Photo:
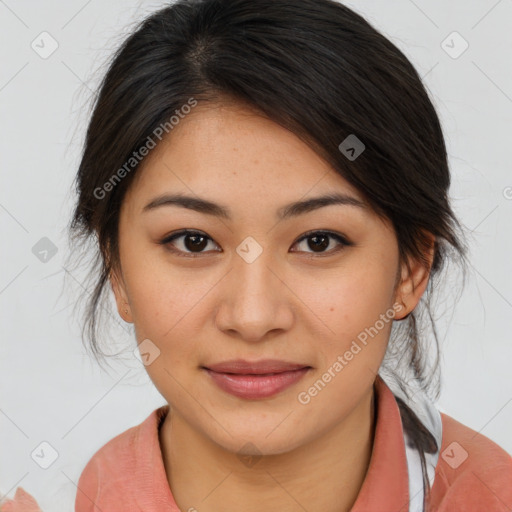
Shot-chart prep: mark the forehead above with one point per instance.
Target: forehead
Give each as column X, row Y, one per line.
column 233, row 151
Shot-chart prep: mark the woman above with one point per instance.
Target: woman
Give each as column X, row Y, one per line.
column 268, row 184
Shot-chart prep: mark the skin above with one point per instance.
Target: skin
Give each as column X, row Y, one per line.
column 291, row 303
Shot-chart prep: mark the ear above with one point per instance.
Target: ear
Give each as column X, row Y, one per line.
column 119, row 288
column 414, row 280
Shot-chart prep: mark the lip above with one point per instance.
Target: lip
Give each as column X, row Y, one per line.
column 243, row 367
column 256, row 380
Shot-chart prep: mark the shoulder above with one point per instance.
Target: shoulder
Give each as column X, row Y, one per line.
column 113, row 468
column 22, row 502
column 472, row 471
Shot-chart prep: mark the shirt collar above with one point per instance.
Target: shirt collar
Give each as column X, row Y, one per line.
column 385, row 486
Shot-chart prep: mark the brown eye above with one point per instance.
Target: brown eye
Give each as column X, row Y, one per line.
column 319, row 241
column 192, row 244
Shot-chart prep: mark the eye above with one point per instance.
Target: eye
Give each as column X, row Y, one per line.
column 320, row 240
column 193, row 243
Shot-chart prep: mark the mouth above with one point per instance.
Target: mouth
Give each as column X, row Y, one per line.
column 261, row 367
column 256, row 380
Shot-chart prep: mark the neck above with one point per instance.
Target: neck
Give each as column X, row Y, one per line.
column 325, row 474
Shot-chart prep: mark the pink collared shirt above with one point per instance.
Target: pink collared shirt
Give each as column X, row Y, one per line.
column 472, row 473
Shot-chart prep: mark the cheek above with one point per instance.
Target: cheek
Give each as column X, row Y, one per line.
column 357, row 316
column 165, row 306
column 353, row 299
column 165, row 309
column 354, row 312
column 169, row 307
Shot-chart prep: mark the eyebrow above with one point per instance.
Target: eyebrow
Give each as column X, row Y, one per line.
column 291, row 210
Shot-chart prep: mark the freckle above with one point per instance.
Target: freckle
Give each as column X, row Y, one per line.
column 332, row 309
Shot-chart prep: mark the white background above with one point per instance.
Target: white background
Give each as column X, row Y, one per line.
column 51, row 391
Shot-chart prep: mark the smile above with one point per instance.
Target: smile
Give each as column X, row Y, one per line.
column 256, row 386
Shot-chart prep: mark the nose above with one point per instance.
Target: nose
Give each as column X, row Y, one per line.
column 255, row 300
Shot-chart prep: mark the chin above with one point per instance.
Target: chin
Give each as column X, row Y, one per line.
column 258, row 444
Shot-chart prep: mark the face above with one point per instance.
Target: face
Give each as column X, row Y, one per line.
column 315, row 286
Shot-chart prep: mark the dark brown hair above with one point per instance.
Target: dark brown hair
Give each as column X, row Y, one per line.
column 318, row 69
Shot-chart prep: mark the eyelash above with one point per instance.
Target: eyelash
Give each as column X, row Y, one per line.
column 167, row 242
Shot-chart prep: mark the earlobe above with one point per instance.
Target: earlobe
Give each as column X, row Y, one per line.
column 413, row 283
column 120, row 295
